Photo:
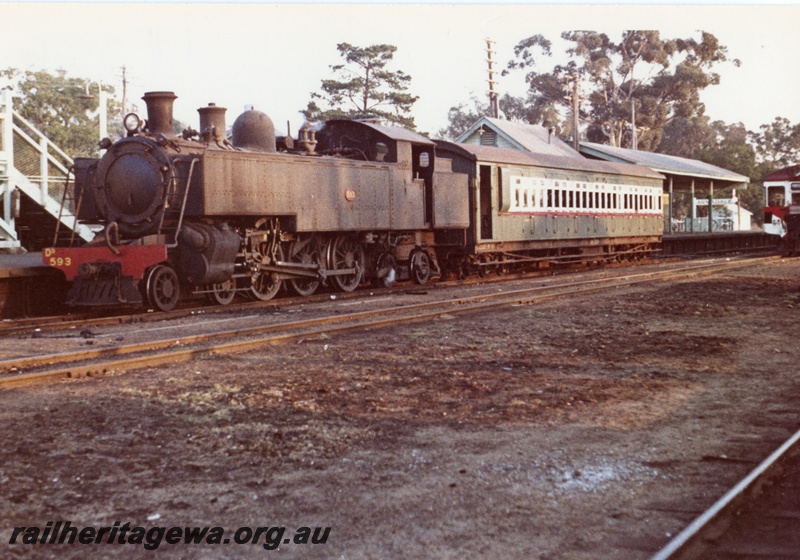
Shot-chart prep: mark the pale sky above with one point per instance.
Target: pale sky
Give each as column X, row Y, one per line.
column 272, row 56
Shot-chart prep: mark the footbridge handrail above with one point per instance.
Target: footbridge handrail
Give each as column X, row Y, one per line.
column 28, row 177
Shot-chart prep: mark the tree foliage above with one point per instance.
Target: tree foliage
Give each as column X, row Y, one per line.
column 363, row 87
column 658, row 79
column 726, row 146
column 462, row 116
column 777, row 144
column 717, row 143
column 59, row 107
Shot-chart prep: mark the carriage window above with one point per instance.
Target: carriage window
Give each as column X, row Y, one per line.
column 776, row 196
column 424, row 159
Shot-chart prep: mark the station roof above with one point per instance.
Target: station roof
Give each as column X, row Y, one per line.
column 490, row 154
column 670, row 165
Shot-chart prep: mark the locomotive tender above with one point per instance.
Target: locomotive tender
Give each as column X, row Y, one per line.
column 353, row 201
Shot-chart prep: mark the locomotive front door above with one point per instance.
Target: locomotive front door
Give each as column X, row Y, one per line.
column 485, row 201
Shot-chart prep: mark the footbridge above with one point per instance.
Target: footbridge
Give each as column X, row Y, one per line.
column 33, row 174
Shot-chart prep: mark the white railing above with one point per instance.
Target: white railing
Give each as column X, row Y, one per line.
column 36, row 181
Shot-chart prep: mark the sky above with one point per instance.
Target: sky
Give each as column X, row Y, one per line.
column 272, row 56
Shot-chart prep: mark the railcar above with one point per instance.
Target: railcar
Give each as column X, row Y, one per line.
column 199, row 214
column 532, row 208
column 782, row 209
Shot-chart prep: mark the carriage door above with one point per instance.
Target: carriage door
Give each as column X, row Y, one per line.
column 422, row 168
column 485, row 201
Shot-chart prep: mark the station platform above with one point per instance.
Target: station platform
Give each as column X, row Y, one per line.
column 28, row 287
column 22, row 264
column 718, row 242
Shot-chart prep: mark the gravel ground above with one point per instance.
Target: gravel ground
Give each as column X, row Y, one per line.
column 580, row 428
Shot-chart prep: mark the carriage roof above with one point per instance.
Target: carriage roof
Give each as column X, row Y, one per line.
column 490, row 154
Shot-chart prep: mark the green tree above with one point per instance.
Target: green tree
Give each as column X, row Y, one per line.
column 59, row 107
column 462, row 116
column 777, row 144
column 684, row 137
column 363, row 87
column 655, row 79
column 719, row 144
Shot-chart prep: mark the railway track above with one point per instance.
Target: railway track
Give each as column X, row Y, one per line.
column 757, row 518
column 121, row 316
column 154, row 352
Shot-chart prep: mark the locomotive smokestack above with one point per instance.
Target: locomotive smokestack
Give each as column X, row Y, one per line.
column 212, row 121
column 159, row 112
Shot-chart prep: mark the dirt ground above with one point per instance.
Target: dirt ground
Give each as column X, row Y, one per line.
column 582, row 428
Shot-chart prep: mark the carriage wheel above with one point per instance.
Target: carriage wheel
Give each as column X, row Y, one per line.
column 502, row 266
column 306, row 252
column 347, row 253
column 482, row 268
column 223, row 293
column 420, row 267
column 265, row 285
column 163, row 290
column 463, row 269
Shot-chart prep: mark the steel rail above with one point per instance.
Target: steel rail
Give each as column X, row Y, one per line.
column 688, row 544
column 175, row 349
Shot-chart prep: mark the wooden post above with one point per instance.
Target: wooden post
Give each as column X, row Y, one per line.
column 43, row 174
column 671, row 215
column 710, row 206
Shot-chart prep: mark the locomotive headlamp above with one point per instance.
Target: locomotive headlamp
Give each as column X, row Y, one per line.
column 132, row 122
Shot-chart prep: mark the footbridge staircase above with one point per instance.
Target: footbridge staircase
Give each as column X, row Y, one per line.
column 33, row 173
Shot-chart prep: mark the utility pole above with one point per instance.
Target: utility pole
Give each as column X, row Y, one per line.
column 576, row 131
column 124, row 92
column 494, row 103
column 634, row 142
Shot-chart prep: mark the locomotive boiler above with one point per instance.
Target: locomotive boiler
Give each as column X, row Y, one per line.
column 201, row 214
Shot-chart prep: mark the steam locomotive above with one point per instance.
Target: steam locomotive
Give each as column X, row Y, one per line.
column 349, row 202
